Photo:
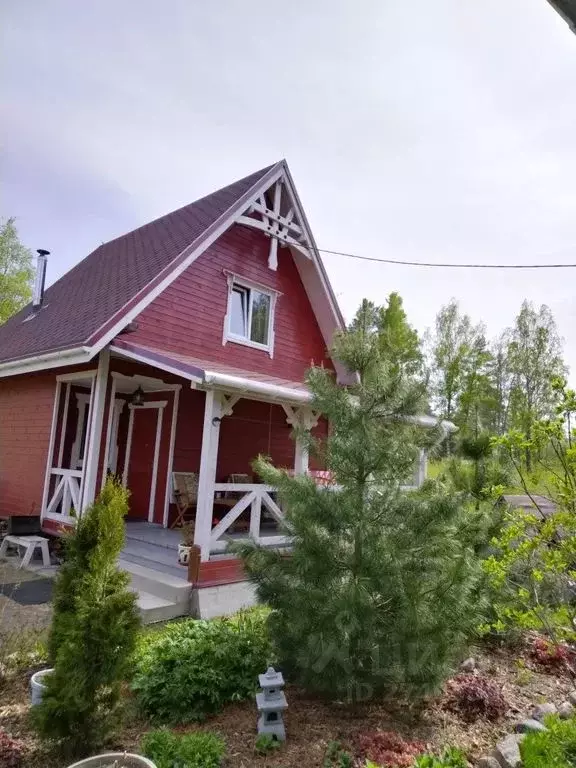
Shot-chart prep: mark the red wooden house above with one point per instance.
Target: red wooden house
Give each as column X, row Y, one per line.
column 179, row 347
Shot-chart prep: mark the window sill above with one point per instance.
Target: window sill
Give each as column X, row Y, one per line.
column 248, row 343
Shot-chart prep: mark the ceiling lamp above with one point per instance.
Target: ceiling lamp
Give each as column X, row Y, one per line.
column 137, row 399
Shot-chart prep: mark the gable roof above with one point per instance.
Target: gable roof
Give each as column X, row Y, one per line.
column 91, row 303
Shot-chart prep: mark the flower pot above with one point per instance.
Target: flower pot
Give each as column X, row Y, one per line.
column 184, row 553
column 114, row 760
column 37, row 686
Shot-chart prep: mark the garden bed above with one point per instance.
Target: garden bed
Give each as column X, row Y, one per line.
column 313, row 724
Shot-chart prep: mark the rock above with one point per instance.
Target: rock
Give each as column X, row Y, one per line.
column 507, row 751
column 529, row 725
column 566, row 710
column 469, row 665
column 572, row 697
column 541, row 710
column 488, row 762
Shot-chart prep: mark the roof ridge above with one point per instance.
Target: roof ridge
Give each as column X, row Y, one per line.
column 155, row 221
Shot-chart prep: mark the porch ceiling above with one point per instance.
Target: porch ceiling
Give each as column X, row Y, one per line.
column 215, row 375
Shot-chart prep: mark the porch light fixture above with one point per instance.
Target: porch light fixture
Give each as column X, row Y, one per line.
column 137, row 399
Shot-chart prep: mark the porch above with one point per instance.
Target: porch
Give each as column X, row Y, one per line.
column 144, row 423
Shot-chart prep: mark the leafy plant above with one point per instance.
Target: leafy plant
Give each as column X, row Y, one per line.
column 191, row 669
column 190, row 750
column 383, row 589
column 450, row 758
column 553, row 748
column 93, row 635
column 336, row 756
column 11, row 751
column 389, row 749
column 474, row 696
column 552, row 655
column 265, row 743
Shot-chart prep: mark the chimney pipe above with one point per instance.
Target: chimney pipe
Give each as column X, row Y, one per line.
column 38, row 291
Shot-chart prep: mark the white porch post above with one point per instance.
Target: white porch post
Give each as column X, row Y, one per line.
column 422, row 467
column 92, row 452
column 301, row 458
column 51, row 448
column 213, row 412
column 306, row 418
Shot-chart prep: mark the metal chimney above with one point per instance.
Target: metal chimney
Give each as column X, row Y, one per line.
column 38, row 292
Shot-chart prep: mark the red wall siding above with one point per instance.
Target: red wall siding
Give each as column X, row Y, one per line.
column 26, row 404
column 188, row 316
column 254, row 428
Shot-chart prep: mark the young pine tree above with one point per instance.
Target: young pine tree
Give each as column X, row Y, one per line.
column 382, row 589
column 93, row 634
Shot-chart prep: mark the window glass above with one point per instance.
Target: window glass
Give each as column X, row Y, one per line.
column 260, row 317
column 239, row 311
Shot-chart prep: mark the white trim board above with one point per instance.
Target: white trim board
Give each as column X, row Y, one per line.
column 160, row 405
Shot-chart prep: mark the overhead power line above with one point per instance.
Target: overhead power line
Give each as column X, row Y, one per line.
column 446, row 265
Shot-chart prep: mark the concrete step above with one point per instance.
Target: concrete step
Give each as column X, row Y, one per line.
column 162, row 585
column 154, row 609
column 170, row 566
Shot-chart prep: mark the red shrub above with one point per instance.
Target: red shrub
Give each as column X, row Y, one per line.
column 551, row 655
column 389, row 749
column 474, row 696
column 11, row 751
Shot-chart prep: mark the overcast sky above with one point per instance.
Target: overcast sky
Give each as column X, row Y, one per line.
column 437, row 131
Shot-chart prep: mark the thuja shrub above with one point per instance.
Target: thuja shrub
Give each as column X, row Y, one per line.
column 473, row 696
column 389, row 748
column 94, row 633
column 193, row 668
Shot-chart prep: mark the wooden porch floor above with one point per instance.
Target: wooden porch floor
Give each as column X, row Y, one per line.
column 156, row 547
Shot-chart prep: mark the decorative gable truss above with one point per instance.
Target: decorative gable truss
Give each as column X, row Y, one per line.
column 274, row 213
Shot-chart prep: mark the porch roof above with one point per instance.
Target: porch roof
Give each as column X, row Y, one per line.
column 219, row 375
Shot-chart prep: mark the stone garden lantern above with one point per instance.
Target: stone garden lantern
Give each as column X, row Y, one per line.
column 271, row 702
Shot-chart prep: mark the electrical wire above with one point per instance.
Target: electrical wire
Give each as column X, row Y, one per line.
column 445, row 265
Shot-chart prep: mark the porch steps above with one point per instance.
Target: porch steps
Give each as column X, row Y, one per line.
column 161, row 596
column 155, row 557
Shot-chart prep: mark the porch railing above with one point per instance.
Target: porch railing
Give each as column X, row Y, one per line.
column 67, row 490
column 252, row 495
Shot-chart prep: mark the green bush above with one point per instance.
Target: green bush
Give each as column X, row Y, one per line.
column 191, row 750
column 450, row 758
column 554, row 748
column 193, row 668
column 93, row 635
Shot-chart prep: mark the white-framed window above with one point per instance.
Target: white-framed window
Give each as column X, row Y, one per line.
column 250, row 316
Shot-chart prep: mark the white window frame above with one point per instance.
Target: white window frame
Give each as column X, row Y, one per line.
column 240, row 282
